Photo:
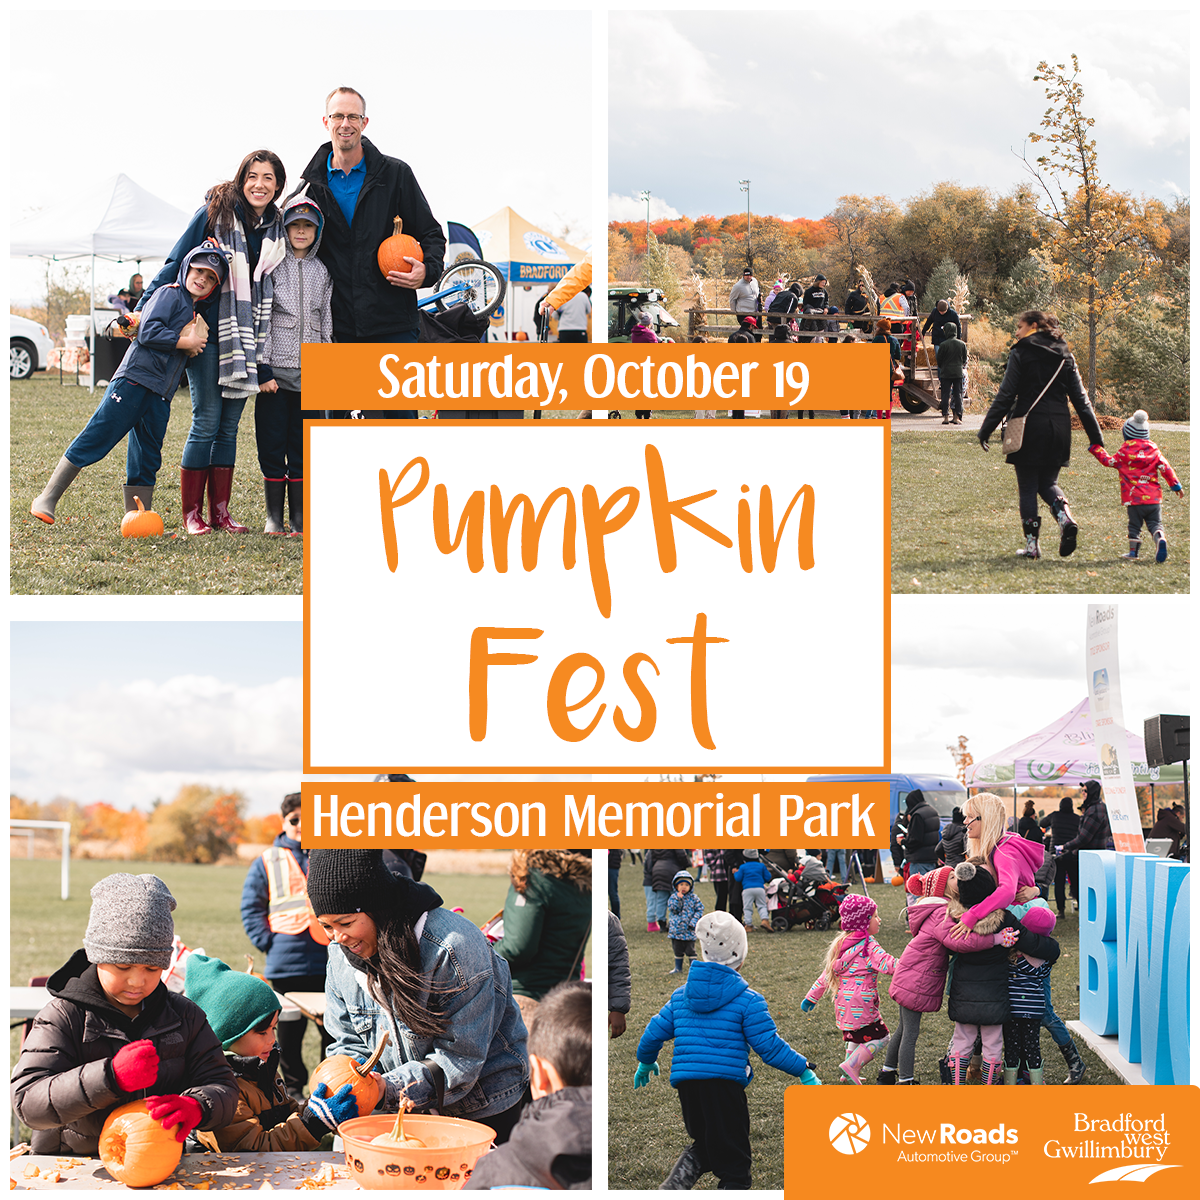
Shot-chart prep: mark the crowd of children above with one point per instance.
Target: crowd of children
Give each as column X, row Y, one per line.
column 985, row 915
column 207, row 1065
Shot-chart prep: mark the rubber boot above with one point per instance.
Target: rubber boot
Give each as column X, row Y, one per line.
column 858, row 1058
column 1031, row 527
column 1160, row 555
column 1066, row 523
column 1010, row 1076
column 685, row 1174
column 220, row 487
column 678, row 967
column 959, row 1068
column 993, row 1072
column 651, row 926
column 1135, row 544
column 1075, row 1064
column 136, row 489
column 43, row 506
column 1035, row 1075
column 295, row 492
column 191, row 492
column 273, row 492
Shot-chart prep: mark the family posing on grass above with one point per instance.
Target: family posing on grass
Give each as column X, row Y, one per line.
column 986, row 913
column 248, row 282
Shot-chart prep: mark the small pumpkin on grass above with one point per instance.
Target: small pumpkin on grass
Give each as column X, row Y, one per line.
column 340, row 1069
column 144, row 522
column 393, row 250
column 136, row 1149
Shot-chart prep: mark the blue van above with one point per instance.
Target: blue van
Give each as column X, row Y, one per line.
column 944, row 794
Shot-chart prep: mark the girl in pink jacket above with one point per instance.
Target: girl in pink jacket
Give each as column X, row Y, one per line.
column 919, row 980
column 853, row 964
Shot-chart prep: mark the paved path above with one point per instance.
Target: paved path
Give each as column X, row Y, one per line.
column 906, row 422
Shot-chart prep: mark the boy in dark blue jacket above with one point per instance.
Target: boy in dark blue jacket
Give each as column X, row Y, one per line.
column 716, row 1018
column 754, row 875
column 138, row 400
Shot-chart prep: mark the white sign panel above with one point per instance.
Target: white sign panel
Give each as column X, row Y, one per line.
column 585, row 597
column 1112, row 744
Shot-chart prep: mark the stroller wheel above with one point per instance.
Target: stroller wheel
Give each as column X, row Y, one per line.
column 780, row 923
column 824, row 922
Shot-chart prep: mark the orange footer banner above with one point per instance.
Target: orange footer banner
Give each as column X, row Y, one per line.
column 1032, row 1142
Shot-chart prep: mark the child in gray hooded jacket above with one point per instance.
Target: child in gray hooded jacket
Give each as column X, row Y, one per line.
column 300, row 313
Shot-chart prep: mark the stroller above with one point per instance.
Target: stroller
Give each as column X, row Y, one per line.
column 804, row 897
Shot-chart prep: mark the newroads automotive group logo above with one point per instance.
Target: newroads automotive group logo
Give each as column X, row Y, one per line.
column 976, row 1143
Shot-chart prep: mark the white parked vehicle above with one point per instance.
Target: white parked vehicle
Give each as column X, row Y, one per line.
column 29, row 346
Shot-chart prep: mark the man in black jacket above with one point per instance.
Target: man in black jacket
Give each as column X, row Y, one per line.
column 361, row 191
column 923, row 834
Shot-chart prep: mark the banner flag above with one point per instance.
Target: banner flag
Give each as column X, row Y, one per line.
column 1112, row 744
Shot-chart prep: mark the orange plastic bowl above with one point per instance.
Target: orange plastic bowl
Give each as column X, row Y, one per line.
column 452, row 1147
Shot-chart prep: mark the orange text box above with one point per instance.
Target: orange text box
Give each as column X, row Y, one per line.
column 500, row 375
column 1049, row 1141
column 547, row 815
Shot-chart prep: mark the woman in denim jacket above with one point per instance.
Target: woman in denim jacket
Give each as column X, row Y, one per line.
column 405, row 965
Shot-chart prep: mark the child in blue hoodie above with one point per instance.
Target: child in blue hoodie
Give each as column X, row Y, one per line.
column 138, row 400
column 684, row 909
column 300, row 312
column 754, row 875
column 716, row 1018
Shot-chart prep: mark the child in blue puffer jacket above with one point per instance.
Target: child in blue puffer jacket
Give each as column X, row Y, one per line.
column 754, row 876
column 684, row 909
column 716, row 1018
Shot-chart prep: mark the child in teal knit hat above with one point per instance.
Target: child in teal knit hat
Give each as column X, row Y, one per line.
column 243, row 1011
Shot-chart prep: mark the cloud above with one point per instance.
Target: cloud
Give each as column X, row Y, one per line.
column 133, row 742
column 630, row 208
column 657, row 69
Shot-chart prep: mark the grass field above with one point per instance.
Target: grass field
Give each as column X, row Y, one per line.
column 955, row 526
column 646, row 1132
column 44, row 931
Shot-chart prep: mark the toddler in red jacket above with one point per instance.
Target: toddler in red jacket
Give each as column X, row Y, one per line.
column 1139, row 462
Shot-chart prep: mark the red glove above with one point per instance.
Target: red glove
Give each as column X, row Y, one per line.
column 136, row 1066
column 183, row 1111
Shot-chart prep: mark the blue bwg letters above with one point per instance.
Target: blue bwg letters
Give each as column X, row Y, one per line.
column 1134, row 933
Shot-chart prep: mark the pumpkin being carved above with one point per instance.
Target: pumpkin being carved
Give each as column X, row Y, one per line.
column 340, row 1069
column 392, row 252
column 135, row 1148
column 144, row 522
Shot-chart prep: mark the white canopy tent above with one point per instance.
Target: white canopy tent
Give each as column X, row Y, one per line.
column 118, row 221
column 1062, row 752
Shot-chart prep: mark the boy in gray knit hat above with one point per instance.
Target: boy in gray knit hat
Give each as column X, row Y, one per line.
column 142, row 1041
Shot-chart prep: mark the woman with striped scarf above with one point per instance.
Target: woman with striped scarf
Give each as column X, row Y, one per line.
column 240, row 214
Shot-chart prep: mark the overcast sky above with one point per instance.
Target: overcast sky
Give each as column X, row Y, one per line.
column 887, row 103
column 130, row 712
column 999, row 667
column 450, row 97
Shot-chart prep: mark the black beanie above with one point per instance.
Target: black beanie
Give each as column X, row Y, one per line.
column 346, row 881
column 975, row 884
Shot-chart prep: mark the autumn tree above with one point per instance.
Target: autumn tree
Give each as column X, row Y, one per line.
column 1103, row 238
column 200, row 825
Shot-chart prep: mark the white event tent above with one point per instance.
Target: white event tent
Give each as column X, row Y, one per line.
column 118, row 220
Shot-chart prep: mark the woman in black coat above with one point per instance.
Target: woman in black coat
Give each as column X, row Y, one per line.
column 1040, row 382
column 1064, row 826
